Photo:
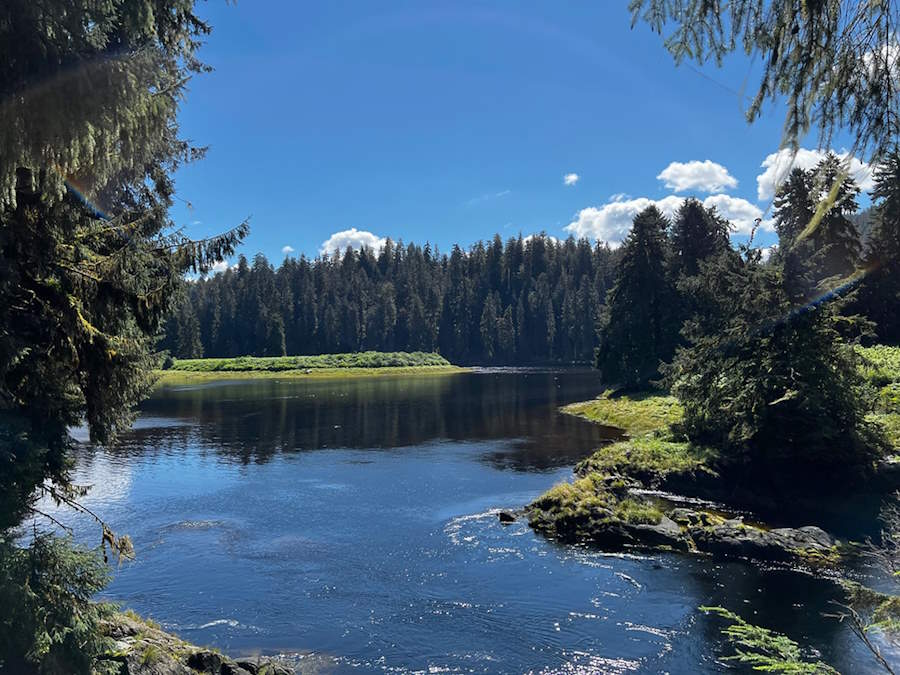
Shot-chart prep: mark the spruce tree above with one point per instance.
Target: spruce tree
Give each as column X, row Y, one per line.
column 836, row 246
column 879, row 296
column 638, row 333
column 90, row 265
column 696, row 234
column 766, row 380
column 819, row 246
column 794, row 206
column 90, row 262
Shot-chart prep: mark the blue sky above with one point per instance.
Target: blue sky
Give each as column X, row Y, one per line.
column 450, row 121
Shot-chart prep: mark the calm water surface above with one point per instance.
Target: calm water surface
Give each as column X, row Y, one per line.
column 352, row 524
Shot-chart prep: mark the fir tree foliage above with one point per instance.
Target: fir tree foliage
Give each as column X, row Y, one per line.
column 89, row 265
column 768, row 380
column 90, row 258
column 834, row 63
column 879, row 295
column 50, row 624
column 523, row 300
column 638, row 330
column 818, row 243
column 696, row 234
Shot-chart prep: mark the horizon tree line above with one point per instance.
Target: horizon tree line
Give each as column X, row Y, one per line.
column 536, row 299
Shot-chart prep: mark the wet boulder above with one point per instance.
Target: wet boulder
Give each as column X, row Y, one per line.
column 734, row 537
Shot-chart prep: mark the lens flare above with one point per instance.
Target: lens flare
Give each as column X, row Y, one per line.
column 80, row 193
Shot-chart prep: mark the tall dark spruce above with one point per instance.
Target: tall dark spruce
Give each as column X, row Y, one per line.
column 89, row 264
column 525, row 300
column 638, row 331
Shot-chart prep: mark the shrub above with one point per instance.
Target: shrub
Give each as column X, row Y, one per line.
column 765, row 379
column 49, row 625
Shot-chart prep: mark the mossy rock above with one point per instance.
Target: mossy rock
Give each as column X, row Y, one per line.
column 142, row 648
column 651, row 460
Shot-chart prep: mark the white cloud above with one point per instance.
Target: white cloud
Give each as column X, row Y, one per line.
column 765, row 252
column 571, row 178
column 612, row 221
column 287, row 249
column 220, row 266
column 541, row 235
column 740, row 212
column 779, row 164
column 353, row 238
column 705, row 176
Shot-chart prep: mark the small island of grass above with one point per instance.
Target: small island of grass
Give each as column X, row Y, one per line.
column 357, row 364
column 614, row 501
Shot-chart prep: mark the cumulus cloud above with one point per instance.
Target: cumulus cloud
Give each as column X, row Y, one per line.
column 287, row 249
column 705, row 176
column 541, row 235
column 353, row 238
column 740, row 212
column 779, row 164
column 766, row 252
column 571, row 178
column 612, row 221
column 220, row 266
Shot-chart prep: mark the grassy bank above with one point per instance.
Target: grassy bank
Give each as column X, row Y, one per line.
column 881, row 368
column 324, row 366
column 360, row 360
column 606, row 503
column 651, row 451
column 180, row 377
column 636, row 414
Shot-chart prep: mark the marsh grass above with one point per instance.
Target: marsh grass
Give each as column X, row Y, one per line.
column 881, row 369
column 635, row 414
column 638, row 512
column 356, row 360
column 649, row 457
column 881, row 364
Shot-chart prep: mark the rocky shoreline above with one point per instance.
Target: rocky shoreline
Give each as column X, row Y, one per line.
column 142, row 648
column 648, row 525
column 627, row 495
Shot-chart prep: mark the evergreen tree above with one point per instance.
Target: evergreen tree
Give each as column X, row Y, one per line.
column 187, row 331
column 87, row 276
column 90, row 266
column 879, row 297
column 638, row 333
column 831, row 60
column 767, row 380
column 835, row 240
column 794, row 206
column 819, row 246
column 696, row 234
column 416, row 299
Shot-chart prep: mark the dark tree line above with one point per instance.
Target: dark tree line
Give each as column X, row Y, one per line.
column 760, row 352
column 538, row 299
column 526, row 300
column 662, row 284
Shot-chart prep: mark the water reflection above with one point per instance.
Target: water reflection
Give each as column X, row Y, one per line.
column 353, row 524
column 251, row 421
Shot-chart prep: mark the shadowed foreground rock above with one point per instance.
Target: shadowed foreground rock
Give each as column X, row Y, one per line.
column 142, row 648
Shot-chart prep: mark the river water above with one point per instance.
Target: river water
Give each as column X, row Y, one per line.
column 351, row 525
